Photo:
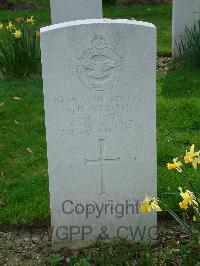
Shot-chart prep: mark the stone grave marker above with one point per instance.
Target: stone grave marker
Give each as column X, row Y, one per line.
column 185, row 14
column 100, row 113
column 69, row 10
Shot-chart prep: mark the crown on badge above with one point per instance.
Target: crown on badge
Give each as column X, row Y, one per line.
column 99, row 42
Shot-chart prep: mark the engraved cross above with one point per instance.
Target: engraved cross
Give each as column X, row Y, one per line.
column 102, row 161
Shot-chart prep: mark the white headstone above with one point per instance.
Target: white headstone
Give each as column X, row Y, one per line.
column 69, row 10
column 185, row 14
column 100, row 103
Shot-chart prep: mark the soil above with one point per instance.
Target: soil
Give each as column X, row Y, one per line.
column 24, row 246
column 27, row 246
column 31, row 244
column 163, row 64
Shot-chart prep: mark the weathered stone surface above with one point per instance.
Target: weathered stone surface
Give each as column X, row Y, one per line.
column 185, row 14
column 100, row 103
column 69, row 10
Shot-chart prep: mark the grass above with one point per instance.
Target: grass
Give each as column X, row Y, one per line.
column 23, row 159
column 160, row 15
column 118, row 253
column 24, row 179
column 178, row 124
column 42, row 16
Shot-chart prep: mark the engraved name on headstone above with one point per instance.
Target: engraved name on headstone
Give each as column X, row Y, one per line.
column 100, row 115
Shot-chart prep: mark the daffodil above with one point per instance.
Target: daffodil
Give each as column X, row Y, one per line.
column 18, row 20
column 17, row 34
column 37, row 34
column 194, row 218
column 175, row 165
column 1, row 26
column 192, row 157
column 30, row 20
column 149, row 204
column 10, row 26
column 188, row 199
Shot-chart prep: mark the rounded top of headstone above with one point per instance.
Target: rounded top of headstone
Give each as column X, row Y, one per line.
column 96, row 21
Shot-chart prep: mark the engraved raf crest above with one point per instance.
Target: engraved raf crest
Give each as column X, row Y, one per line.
column 99, row 67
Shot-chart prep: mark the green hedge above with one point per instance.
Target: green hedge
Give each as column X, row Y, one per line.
column 109, row 2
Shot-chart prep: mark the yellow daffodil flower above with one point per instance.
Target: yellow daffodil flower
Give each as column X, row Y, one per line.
column 18, row 20
column 1, row 26
column 17, row 34
column 192, row 157
column 149, row 204
column 194, row 218
column 30, row 20
column 175, row 165
column 188, row 199
column 37, row 34
column 10, row 26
